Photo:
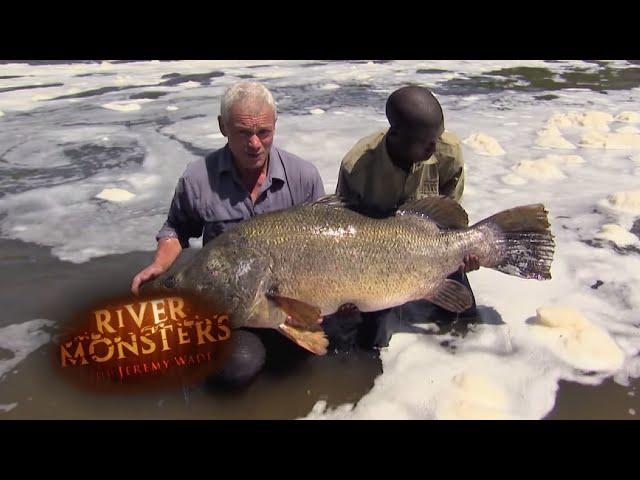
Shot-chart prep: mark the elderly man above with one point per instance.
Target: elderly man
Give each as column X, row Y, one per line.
column 247, row 177
column 414, row 158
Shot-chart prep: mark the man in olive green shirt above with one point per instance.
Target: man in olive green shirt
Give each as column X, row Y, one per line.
column 414, row 158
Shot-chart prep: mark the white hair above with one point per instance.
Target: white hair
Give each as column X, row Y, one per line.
column 245, row 91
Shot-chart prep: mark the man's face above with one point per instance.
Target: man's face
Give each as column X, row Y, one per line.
column 249, row 131
column 412, row 144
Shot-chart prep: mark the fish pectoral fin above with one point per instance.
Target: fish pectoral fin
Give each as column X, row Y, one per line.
column 314, row 341
column 301, row 314
column 452, row 296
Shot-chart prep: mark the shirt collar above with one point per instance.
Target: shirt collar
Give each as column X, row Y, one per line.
column 275, row 170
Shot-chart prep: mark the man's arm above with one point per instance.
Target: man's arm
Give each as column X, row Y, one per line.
column 183, row 222
column 168, row 250
column 343, row 188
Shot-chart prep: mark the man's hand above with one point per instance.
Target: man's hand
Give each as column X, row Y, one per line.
column 471, row 263
column 149, row 273
column 166, row 253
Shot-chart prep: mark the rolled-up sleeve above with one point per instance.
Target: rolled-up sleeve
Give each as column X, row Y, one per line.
column 183, row 221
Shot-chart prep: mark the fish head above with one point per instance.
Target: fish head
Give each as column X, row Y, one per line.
column 230, row 277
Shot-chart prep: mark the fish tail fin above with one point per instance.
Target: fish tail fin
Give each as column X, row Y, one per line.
column 521, row 242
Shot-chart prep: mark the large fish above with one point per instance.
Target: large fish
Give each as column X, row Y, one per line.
column 287, row 269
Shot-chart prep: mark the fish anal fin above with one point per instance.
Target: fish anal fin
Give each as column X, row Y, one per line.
column 452, row 296
column 314, row 341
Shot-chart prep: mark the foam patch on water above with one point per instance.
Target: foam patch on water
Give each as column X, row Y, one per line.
column 21, row 339
column 123, row 106
column 576, row 340
column 483, row 144
column 632, row 117
column 627, row 129
column 330, row 86
column 541, row 170
column 316, row 111
column 172, row 108
column 618, row 235
column 473, row 397
column 590, row 119
column 552, row 138
column 115, row 195
column 614, row 141
column 512, row 179
column 51, row 215
column 4, row 408
column 625, row 202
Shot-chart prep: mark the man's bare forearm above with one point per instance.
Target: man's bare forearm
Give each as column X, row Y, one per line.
column 167, row 251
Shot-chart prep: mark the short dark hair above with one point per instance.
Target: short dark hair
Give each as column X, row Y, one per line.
column 414, row 106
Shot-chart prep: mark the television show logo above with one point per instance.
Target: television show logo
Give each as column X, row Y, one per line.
column 146, row 340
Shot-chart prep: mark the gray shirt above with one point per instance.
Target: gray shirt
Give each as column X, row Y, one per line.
column 210, row 196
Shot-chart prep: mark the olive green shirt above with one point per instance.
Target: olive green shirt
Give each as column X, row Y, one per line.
column 369, row 177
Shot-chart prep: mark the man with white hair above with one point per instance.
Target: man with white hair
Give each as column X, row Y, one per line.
column 247, row 177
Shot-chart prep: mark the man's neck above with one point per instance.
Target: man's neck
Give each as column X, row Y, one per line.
column 254, row 179
column 403, row 166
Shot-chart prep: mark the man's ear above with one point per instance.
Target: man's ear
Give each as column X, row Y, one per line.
column 221, row 125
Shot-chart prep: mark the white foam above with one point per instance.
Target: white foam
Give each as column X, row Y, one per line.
column 22, row 339
column 191, row 84
column 115, row 195
column 541, row 170
column 330, row 86
column 474, row 397
column 513, row 179
column 592, row 119
column 632, row 117
column 172, row 108
column 552, row 138
column 122, row 106
column 610, row 140
column 1, row 114
column 576, row 340
column 626, row 202
column 316, row 111
column 41, row 97
column 627, row 129
column 4, row 408
column 216, row 135
column 618, row 235
column 483, row 144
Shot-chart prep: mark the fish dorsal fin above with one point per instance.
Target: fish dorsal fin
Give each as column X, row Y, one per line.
column 452, row 296
column 332, row 201
column 442, row 210
column 352, row 204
